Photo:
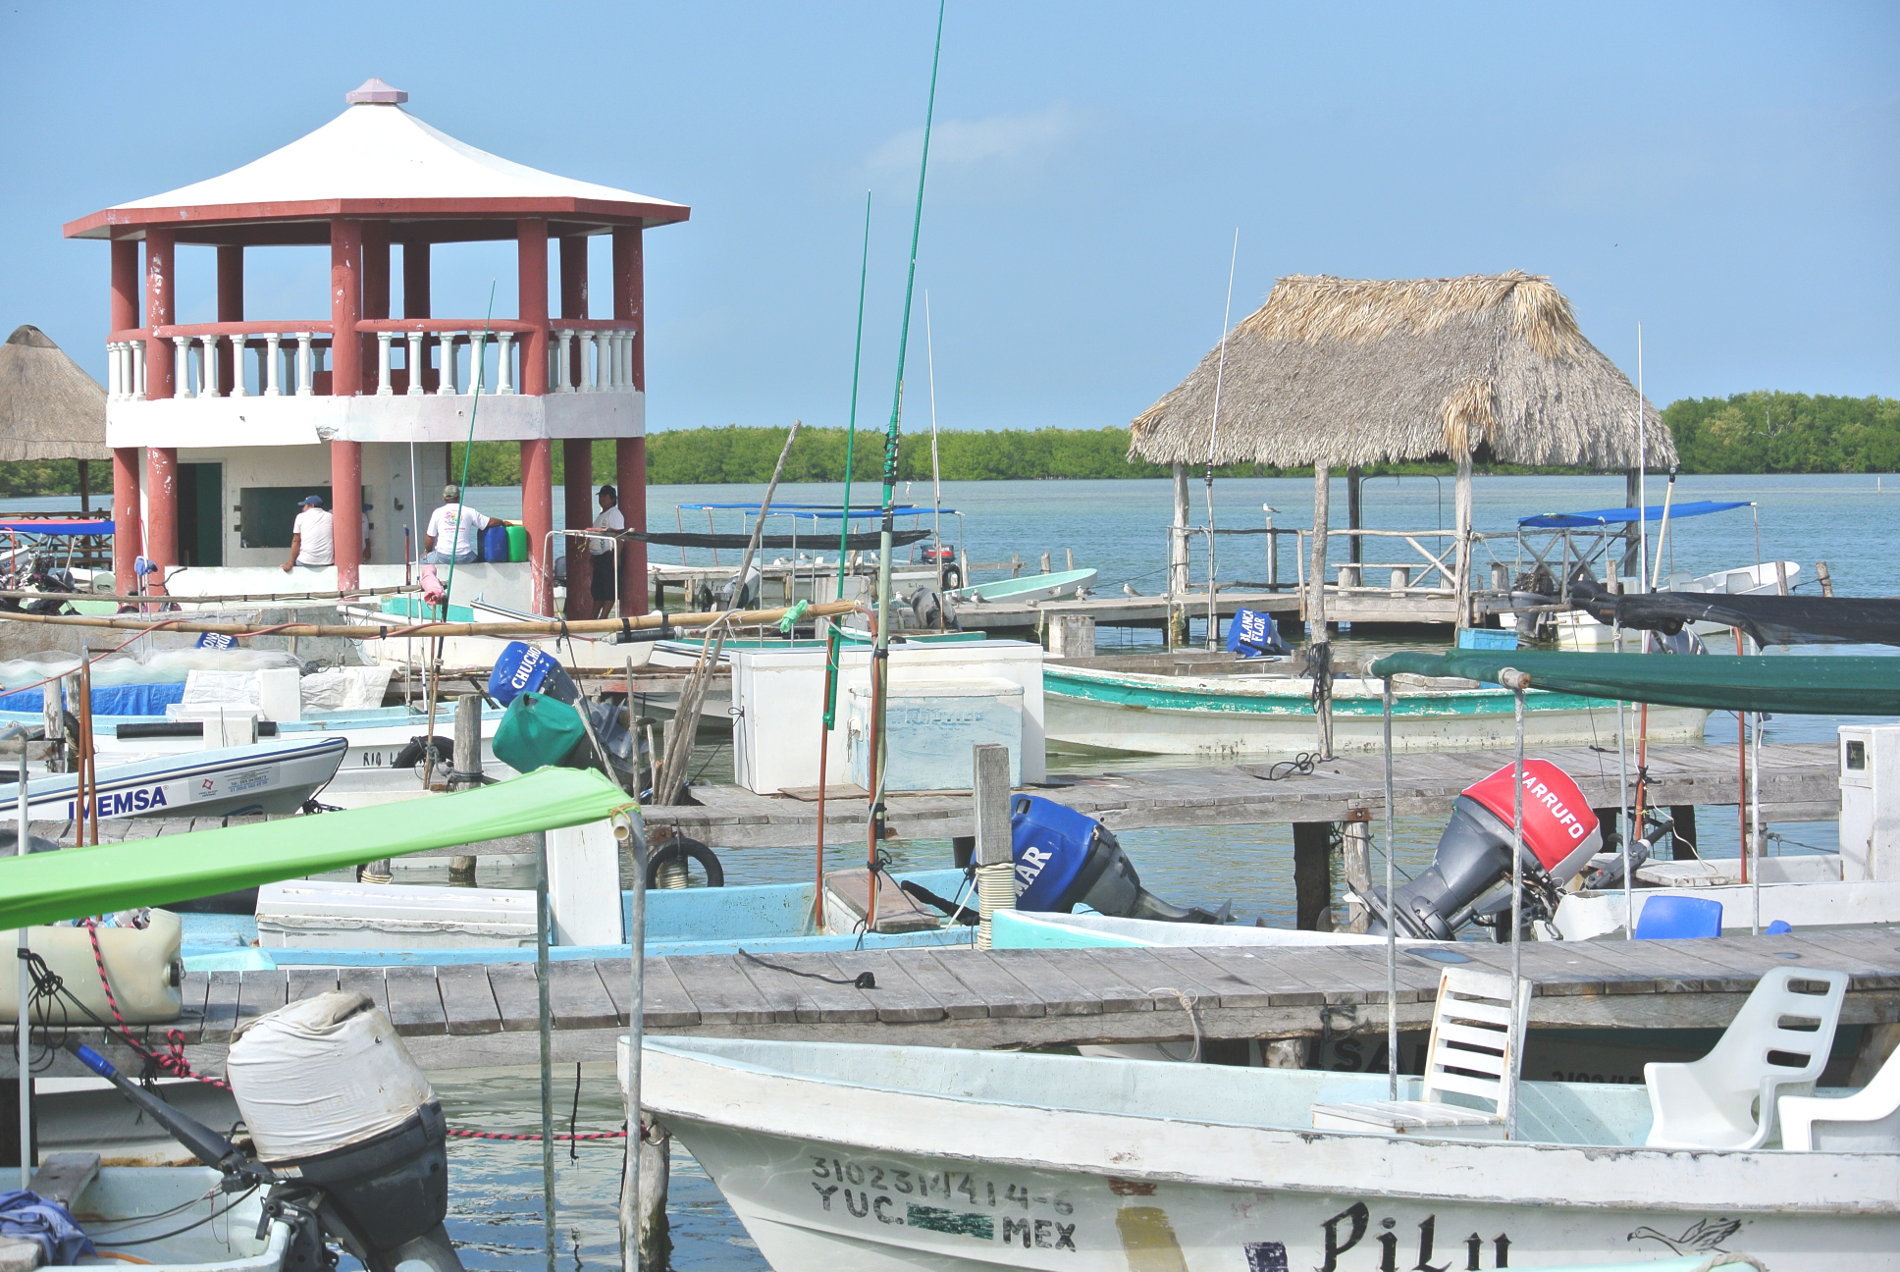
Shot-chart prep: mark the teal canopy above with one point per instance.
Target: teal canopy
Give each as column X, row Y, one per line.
column 1797, row 684
column 50, row 886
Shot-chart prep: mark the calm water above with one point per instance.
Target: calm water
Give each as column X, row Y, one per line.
column 1118, row 527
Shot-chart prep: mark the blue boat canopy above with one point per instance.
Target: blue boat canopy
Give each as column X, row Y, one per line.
column 49, row 526
column 1624, row 516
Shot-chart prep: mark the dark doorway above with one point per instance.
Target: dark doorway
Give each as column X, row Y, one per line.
column 201, row 514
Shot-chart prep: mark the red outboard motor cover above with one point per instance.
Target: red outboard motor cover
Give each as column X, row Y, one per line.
column 1559, row 828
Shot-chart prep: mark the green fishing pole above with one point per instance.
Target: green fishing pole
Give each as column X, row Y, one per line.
column 880, row 657
column 833, row 638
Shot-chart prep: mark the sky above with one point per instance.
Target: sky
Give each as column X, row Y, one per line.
column 1726, row 176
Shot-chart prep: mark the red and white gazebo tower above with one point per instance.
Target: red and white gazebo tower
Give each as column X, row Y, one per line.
column 246, row 415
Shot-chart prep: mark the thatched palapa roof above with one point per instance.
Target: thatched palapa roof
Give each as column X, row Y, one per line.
column 49, row 407
column 1351, row 372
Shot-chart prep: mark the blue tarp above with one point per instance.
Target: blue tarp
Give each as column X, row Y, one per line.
column 30, row 526
column 29, row 1215
column 1623, row 516
column 109, row 700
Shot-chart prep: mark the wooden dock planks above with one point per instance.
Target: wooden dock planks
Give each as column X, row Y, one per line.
column 965, row 997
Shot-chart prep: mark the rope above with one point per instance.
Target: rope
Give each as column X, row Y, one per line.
column 863, row 980
column 1194, row 1022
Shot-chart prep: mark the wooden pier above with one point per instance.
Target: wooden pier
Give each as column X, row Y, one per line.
column 473, row 1016
column 1799, row 782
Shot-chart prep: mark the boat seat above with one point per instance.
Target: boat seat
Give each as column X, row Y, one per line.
column 1868, row 1121
column 1666, row 917
column 1476, row 1052
column 1778, row 1041
column 62, row 1177
column 849, row 891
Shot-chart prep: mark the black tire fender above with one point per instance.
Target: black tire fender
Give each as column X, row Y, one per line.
column 680, row 849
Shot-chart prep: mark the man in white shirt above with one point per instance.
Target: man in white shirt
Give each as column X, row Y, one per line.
column 311, row 540
column 602, row 550
column 454, row 529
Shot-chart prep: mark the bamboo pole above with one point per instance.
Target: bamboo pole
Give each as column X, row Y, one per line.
column 552, row 627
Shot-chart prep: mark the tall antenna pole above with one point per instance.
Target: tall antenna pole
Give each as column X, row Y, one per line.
column 1213, row 426
column 1642, row 467
column 881, row 652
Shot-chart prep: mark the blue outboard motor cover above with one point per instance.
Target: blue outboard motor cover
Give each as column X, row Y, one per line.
column 524, row 669
column 1051, row 845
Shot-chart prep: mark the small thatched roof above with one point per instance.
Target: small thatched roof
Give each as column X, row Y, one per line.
column 49, row 407
column 1352, row 372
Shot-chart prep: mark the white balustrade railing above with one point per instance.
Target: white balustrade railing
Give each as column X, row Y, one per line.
column 590, row 361
column 443, row 362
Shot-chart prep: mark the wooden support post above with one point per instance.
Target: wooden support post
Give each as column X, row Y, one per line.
column 55, row 726
column 465, row 770
column 1683, row 843
column 656, row 1240
column 1356, row 849
column 995, row 867
column 1313, row 876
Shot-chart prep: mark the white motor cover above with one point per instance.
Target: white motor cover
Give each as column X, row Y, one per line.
column 321, row 1074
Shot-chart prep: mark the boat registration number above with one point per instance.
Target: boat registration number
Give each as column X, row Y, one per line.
column 984, row 1207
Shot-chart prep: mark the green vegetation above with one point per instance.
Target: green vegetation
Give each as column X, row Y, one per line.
column 52, row 477
column 1760, row 432
column 1768, row 432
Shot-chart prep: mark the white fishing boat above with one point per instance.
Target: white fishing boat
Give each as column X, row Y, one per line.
column 1217, row 717
column 1025, row 590
column 267, row 777
column 872, row 1157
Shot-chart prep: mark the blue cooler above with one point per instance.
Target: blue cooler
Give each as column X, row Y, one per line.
column 494, row 543
column 524, row 669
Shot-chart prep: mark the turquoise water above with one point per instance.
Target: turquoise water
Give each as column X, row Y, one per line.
column 1119, row 527
column 1851, row 522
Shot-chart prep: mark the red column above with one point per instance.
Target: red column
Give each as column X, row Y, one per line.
column 537, row 455
column 346, row 380
column 537, row 515
column 159, row 360
column 231, row 309
column 577, row 453
column 122, row 315
column 128, row 538
column 630, row 453
column 415, row 303
column 415, row 279
column 161, row 526
column 161, row 463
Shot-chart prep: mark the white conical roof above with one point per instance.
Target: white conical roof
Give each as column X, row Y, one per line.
column 377, row 151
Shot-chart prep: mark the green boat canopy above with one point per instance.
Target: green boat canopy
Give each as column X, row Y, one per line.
column 47, row 887
column 1796, row 684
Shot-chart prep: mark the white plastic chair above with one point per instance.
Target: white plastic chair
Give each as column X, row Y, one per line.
column 1867, row 1121
column 1778, row 1041
column 1476, row 1050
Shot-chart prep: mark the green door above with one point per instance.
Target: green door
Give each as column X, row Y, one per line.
column 201, row 514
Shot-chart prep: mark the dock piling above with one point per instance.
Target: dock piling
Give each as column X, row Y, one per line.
column 1312, row 876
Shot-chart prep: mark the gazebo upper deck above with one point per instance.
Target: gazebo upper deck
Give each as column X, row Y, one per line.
column 376, row 161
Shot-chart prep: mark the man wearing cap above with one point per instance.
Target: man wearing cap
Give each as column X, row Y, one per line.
column 602, row 550
column 453, row 530
column 311, row 542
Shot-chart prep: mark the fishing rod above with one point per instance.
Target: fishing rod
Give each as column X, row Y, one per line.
column 1213, row 427
column 834, row 639
column 881, row 652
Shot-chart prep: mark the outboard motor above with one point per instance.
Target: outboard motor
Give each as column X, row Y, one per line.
column 1470, row 874
column 333, row 1100
column 1065, row 859
column 349, row 1138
